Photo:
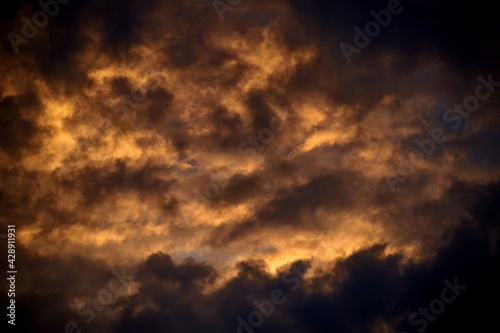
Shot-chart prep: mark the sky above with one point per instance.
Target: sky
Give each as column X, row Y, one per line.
column 250, row 166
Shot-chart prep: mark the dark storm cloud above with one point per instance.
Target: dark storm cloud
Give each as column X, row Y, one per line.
column 374, row 288
column 55, row 52
column 16, row 184
column 147, row 107
column 461, row 32
column 261, row 113
column 120, row 86
column 297, row 207
column 19, row 120
column 364, row 288
column 240, row 189
column 50, row 308
column 336, row 191
column 480, row 201
column 121, row 22
column 98, row 184
column 160, row 101
column 351, row 294
column 227, row 129
column 207, row 105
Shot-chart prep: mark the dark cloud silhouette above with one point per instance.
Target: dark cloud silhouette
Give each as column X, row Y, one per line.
column 118, row 117
column 354, row 293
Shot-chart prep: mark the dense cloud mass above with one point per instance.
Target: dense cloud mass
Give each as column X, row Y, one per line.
column 251, row 166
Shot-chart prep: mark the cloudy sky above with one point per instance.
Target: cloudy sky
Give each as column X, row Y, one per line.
column 251, row 166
